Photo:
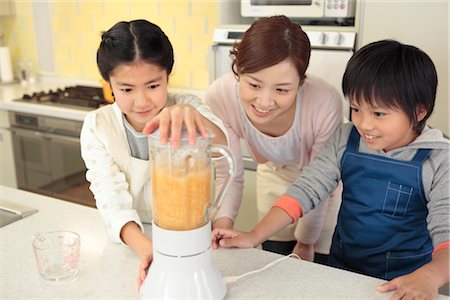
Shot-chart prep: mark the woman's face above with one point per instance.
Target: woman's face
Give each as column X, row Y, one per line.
column 269, row 95
column 140, row 90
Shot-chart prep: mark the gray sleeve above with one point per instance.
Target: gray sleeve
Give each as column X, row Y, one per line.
column 321, row 177
column 436, row 179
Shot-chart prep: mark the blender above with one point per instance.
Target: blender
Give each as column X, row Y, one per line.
column 183, row 205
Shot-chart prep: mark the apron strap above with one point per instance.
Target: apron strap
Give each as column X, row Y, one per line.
column 421, row 155
column 353, row 140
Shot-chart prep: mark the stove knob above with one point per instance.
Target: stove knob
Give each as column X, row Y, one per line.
column 338, row 39
column 323, row 38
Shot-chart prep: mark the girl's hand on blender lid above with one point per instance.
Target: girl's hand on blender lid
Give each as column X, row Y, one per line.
column 170, row 121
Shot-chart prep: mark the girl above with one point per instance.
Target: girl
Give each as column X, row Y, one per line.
column 393, row 222
column 284, row 118
column 136, row 58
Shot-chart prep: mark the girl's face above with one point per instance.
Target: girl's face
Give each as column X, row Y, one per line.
column 140, row 90
column 269, row 96
column 383, row 128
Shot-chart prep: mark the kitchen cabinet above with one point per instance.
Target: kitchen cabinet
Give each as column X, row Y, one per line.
column 6, row 8
column 8, row 170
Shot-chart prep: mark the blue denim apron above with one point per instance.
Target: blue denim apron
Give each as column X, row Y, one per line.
column 381, row 229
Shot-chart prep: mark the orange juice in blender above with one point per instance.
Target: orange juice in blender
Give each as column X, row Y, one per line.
column 181, row 199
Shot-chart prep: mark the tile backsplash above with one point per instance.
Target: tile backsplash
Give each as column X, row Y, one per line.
column 76, row 26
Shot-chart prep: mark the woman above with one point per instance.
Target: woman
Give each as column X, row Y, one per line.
column 284, row 117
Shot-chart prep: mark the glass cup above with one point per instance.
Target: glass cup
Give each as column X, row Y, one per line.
column 57, row 254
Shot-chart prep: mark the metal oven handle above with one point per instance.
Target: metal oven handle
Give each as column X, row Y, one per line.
column 45, row 135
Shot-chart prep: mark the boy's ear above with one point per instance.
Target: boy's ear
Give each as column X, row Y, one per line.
column 421, row 113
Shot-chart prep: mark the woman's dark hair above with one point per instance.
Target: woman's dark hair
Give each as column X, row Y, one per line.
column 128, row 42
column 268, row 42
column 390, row 74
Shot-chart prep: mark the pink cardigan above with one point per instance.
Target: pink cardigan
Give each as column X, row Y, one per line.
column 320, row 113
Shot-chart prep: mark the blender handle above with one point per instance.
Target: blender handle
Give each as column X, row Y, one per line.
column 231, row 161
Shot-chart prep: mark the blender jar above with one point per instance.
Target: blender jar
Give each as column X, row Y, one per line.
column 182, row 181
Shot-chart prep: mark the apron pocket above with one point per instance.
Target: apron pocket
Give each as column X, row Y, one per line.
column 396, row 200
column 404, row 262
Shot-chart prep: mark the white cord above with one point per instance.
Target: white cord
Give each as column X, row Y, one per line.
column 230, row 279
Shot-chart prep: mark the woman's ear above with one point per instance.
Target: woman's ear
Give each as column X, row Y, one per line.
column 421, row 112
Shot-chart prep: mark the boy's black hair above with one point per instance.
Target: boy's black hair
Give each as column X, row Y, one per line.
column 390, row 74
column 128, row 42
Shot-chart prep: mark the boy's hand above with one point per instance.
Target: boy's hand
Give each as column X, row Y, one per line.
column 170, row 121
column 417, row 285
column 228, row 238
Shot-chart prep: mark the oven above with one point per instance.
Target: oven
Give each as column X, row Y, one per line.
column 47, row 157
column 47, row 153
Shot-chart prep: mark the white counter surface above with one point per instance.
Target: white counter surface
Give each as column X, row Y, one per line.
column 109, row 271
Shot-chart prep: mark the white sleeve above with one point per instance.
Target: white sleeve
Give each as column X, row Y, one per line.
column 108, row 183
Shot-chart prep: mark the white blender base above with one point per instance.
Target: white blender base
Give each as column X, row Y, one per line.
column 191, row 276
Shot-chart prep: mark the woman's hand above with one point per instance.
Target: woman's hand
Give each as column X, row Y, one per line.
column 170, row 122
column 228, row 238
column 305, row 251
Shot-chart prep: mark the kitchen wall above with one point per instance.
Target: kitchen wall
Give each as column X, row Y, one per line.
column 75, row 29
column 76, row 26
column 424, row 24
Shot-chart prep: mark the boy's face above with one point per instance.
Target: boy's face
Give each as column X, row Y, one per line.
column 140, row 90
column 382, row 128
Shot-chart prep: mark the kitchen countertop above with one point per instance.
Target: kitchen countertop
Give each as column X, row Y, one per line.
column 9, row 92
column 109, row 270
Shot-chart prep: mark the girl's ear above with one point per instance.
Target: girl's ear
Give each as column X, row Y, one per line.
column 421, row 113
